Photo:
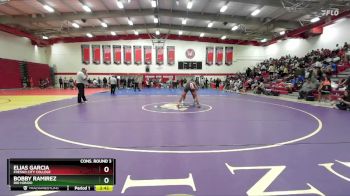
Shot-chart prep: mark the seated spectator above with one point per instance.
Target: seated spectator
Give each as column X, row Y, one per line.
column 44, row 83
column 71, row 83
column 324, row 89
column 341, row 85
column 95, row 83
column 260, row 88
column 344, row 102
column 334, row 85
column 307, row 89
column 347, row 83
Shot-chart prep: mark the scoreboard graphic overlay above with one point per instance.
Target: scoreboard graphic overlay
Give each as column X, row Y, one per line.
column 86, row 174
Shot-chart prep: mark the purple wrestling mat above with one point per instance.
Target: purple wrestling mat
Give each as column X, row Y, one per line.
column 232, row 145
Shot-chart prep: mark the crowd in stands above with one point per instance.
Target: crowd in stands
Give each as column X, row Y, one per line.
column 309, row 75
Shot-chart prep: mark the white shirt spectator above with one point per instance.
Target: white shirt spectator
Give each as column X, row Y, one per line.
column 95, row 82
column 318, row 64
column 113, row 80
column 336, row 59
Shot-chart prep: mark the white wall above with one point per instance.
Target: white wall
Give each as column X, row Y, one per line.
column 337, row 33
column 21, row 48
column 67, row 58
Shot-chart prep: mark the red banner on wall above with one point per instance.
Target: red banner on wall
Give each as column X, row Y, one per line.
column 127, row 55
column 210, row 55
column 137, row 55
column 219, row 53
column 228, row 55
column 147, row 53
column 171, row 55
column 160, row 55
column 106, row 54
column 85, row 54
column 96, row 54
column 117, row 52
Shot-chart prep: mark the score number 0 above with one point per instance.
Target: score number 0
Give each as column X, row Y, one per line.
column 106, row 179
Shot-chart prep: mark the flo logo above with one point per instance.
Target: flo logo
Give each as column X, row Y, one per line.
column 172, row 107
column 330, row 12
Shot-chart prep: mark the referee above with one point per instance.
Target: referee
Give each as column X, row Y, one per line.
column 81, row 79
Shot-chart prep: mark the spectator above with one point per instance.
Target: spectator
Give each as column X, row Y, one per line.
column 71, row 83
column 307, row 89
column 95, row 83
column 60, row 80
column 99, row 82
column 118, row 82
column 44, row 83
column 137, row 81
column 325, row 89
column 260, row 88
column 104, row 82
column 65, row 83
column 113, row 82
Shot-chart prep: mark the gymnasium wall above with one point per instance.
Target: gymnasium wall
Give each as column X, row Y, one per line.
column 337, row 33
column 67, row 58
column 21, row 48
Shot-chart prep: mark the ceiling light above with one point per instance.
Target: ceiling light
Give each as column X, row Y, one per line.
column 201, row 35
column 177, row 2
column 155, row 20
column 113, row 33
column 154, row 3
column 189, row 4
column 89, row 35
column 264, row 40
column 136, row 32
column 210, row 24
column 234, row 28
column 48, row 8
column 184, row 21
column 45, row 37
column 180, row 32
column 120, row 4
column 86, row 8
column 282, row 32
column 256, row 12
column 223, row 9
column 315, row 19
column 103, row 24
column 75, row 25
column 157, row 32
column 223, row 37
column 130, row 22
